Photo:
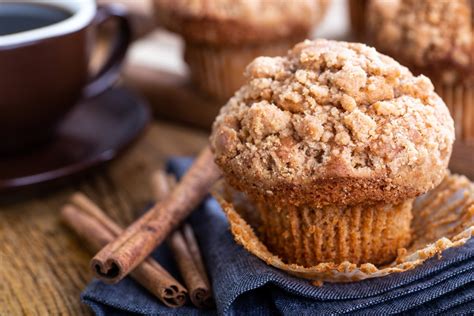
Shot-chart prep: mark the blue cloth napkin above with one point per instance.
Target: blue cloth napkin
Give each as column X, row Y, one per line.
column 243, row 284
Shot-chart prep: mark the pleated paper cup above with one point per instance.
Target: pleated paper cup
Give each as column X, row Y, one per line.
column 442, row 219
column 218, row 71
column 459, row 97
column 308, row 236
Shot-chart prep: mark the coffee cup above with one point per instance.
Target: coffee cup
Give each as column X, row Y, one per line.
column 45, row 54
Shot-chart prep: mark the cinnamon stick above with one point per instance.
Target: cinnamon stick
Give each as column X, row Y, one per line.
column 198, row 289
column 190, row 239
column 161, row 184
column 193, row 273
column 122, row 255
column 89, row 222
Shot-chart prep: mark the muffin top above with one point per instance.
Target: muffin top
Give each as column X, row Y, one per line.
column 425, row 34
column 333, row 123
column 237, row 21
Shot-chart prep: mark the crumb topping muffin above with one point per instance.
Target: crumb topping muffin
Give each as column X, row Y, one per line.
column 425, row 33
column 333, row 123
column 234, row 22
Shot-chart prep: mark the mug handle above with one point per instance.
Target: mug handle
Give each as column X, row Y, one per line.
column 110, row 70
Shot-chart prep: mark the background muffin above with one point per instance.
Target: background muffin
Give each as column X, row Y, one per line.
column 223, row 36
column 333, row 123
column 436, row 38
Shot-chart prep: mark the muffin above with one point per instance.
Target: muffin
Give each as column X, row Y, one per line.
column 223, row 36
column 436, row 38
column 331, row 142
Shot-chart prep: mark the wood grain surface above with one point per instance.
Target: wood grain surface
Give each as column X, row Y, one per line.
column 43, row 266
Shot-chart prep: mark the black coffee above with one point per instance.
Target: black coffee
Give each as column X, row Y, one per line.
column 20, row 17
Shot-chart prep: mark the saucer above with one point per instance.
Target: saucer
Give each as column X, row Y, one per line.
column 95, row 132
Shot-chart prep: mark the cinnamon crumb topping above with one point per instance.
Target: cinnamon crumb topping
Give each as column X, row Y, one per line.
column 333, row 110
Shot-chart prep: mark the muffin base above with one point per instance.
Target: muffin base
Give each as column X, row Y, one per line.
column 442, row 219
column 308, row 236
column 218, row 71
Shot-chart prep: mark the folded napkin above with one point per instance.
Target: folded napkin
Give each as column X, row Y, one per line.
column 243, row 284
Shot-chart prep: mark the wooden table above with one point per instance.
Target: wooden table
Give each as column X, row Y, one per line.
column 43, row 266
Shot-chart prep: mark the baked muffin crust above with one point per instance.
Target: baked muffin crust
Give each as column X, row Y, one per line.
column 333, row 123
column 427, row 34
column 237, row 21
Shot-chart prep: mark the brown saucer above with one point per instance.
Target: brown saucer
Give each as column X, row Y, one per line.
column 95, row 132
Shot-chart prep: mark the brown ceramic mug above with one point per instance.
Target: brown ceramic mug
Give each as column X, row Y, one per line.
column 45, row 70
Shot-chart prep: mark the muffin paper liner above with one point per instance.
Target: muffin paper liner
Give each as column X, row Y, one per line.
column 219, row 70
column 460, row 100
column 442, row 218
column 307, row 236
